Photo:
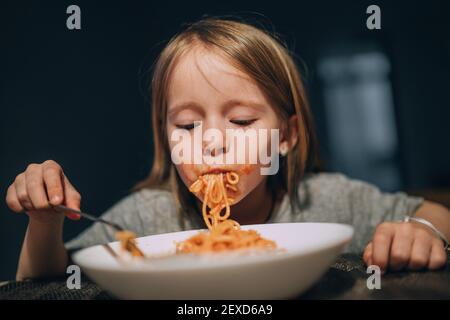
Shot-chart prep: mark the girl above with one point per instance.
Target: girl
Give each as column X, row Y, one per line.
column 231, row 75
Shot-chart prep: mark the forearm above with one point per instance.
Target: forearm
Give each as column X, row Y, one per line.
column 43, row 252
column 437, row 214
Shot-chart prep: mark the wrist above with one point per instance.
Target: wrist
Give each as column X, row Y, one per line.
column 45, row 220
column 436, row 214
column 427, row 225
column 46, row 227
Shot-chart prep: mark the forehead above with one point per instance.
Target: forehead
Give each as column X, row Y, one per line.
column 206, row 77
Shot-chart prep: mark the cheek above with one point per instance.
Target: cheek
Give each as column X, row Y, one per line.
column 273, row 133
column 188, row 173
column 250, row 178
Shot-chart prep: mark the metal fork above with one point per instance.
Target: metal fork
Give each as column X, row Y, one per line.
column 64, row 209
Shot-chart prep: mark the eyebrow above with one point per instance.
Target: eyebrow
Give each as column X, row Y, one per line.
column 228, row 104
column 185, row 105
column 247, row 103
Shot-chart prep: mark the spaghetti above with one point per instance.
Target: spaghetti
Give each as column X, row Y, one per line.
column 128, row 243
column 224, row 234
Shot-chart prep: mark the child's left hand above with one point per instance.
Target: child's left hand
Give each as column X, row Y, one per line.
column 399, row 245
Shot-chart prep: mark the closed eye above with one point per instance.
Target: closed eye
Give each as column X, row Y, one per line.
column 188, row 126
column 243, row 122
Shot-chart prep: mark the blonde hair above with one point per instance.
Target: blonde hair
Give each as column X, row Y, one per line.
column 270, row 64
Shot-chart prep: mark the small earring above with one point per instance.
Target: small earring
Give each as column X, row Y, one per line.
column 284, row 149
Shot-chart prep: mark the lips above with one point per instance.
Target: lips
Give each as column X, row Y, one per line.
column 216, row 171
column 239, row 169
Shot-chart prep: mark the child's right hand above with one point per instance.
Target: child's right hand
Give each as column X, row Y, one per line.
column 40, row 186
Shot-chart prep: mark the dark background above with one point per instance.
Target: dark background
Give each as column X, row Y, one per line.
column 79, row 97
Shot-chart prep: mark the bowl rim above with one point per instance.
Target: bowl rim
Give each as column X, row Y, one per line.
column 128, row 267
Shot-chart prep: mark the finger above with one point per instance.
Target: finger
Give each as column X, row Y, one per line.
column 421, row 250
column 367, row 257
column 72, row 198
column 12, row 201
column 401, row 247
column 438, row 257
column 21, row 191
column 52, row 174
column 382, row 244
column 35, row 187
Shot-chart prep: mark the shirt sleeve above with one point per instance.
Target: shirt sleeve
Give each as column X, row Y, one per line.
column 369, row 206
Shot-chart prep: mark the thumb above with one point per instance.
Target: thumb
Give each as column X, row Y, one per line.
column 367, row 256
column 72, row 199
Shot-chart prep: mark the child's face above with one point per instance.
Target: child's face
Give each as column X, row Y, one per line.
column 205, row 87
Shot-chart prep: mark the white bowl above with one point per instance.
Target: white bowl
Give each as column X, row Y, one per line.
column 310, row 248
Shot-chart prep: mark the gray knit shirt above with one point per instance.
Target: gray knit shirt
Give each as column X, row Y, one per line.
column 324, row 197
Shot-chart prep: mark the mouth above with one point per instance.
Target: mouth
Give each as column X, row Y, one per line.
column 240, row 170
column 216, row 170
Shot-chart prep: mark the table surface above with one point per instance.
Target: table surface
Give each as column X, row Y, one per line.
column 346, row 279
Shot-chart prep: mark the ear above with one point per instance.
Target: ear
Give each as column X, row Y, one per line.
column 289, row 137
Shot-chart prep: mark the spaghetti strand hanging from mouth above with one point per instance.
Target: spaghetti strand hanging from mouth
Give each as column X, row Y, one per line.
column 223, row 234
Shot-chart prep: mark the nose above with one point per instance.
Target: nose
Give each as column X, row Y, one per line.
column 216, row 144
column 216, row 150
